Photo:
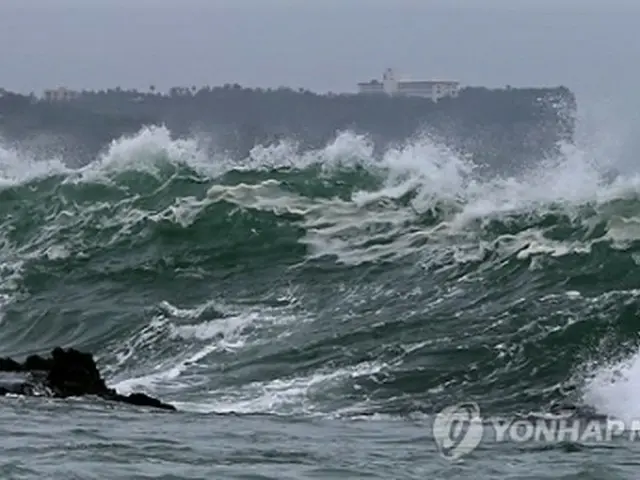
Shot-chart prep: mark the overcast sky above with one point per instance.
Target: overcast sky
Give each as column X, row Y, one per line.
column 318, row 44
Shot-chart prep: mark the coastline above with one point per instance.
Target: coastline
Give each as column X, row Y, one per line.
column 495, row 125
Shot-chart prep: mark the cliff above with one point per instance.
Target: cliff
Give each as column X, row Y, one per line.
column 496, row 126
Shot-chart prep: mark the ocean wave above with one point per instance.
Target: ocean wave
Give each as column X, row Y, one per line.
column 333, row 281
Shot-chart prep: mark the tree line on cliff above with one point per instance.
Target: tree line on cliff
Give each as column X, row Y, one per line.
column 511, row 123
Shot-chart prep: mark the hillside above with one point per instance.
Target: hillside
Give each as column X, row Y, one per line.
column 497, row 126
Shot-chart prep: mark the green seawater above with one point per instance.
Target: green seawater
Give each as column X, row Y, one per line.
column 309, row 314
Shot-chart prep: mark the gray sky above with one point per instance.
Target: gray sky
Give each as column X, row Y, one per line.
column 592, row 47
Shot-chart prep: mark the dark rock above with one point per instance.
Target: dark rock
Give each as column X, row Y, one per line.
column 9, row 365
column 67, row 373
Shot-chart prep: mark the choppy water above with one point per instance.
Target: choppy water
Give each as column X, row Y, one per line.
column 309, row 314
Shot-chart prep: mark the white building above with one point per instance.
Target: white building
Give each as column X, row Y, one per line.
column 433, row 89
column 60, row 95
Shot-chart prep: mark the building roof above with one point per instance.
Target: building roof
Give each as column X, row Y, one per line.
column 426, row 83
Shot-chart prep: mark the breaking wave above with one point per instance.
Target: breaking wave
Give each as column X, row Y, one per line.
column 327, row 282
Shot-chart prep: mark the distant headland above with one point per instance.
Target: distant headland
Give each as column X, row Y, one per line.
column 499, row 125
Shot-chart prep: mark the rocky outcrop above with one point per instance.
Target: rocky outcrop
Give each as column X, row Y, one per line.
column 67, row 373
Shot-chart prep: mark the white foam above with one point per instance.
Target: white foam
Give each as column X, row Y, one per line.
column 613, row 389
column 293, row 395
column 18, row 167
column 435, row 177
column 234, row 328
column 150, row 150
